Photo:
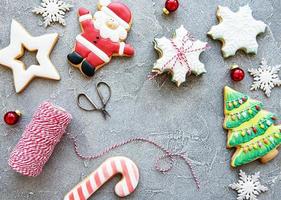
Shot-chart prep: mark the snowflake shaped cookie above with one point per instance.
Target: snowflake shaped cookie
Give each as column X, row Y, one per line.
column 248, row 187
column 265, row 77
column 237, row 30
column 53, row 11
column 179, row 56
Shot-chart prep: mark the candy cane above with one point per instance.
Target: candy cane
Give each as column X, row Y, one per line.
column 111, row 167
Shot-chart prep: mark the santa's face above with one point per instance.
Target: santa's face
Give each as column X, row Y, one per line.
column 109, row 27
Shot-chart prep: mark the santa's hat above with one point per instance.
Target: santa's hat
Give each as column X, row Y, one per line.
column 118, row 11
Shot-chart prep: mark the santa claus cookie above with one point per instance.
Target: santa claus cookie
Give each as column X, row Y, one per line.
column 237, row 30
column 102, row 36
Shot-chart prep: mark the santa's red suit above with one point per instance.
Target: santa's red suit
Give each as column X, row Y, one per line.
column 91, row 49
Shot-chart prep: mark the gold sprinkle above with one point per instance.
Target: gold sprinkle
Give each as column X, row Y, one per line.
column 243, row 133
column 265, row 141
column 250, row 148
column 235, row 103
column 256, row 146
column 276, row 135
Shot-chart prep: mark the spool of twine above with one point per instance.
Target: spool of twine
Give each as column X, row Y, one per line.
column 39, row 139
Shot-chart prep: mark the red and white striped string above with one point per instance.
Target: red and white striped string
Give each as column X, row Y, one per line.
column 167, row 155
column 44, row 132
column 39, row 139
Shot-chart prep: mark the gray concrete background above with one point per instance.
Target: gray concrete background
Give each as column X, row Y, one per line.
column 188, row 118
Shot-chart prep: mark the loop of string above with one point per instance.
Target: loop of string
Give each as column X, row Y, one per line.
column 167, row 155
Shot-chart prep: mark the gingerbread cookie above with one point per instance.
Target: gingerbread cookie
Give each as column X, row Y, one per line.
column 102, row 36
column 251, row 130
column 179, row 56
column 237, row 30
column 21, row 40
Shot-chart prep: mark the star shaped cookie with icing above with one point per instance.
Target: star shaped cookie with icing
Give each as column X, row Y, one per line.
column 237, row 30
column 20, row 40
column 179, row 56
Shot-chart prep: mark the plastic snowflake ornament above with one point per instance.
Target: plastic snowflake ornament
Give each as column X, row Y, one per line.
column 248, row 187
column 53, row 11
column 179, row 56
column 237, row 30
column 265, row 77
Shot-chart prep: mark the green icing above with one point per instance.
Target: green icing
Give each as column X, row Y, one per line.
column 235, row 123
column 232, row 96
column 239, row 139
column 244, row 158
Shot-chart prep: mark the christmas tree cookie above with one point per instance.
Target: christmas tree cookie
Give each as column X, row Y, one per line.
column 251, row 129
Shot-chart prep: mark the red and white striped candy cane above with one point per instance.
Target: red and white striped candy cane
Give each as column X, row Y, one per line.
column 111, row 167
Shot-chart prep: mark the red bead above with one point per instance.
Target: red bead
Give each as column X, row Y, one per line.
column 255, row 130
column 257, row 107
column 274, row 118
column 172, row 5
column 12, row 117
column 244, row 99
column 237, row 74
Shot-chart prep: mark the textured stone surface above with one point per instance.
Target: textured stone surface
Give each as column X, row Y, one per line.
column 187, row 119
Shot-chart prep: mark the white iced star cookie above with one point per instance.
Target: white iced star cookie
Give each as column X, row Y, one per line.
column 237, row 30
column 20, row 39
column 179, row 56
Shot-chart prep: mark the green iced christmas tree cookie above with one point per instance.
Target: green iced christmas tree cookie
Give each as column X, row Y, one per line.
column 251, row 129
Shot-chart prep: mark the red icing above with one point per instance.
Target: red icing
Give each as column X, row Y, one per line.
column 104, row 44
column 121, row 11
column 83, row 11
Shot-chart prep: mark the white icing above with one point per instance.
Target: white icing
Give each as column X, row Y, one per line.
column 53, row 11
column 100, row 22
column 237, row 30
column 121, row 48
column 103, row 56
column 248, row 186
column 115, row 17
column 85, row 17
column 169, row 52
column 265, row 77
column 43, row 44
column 104, row 2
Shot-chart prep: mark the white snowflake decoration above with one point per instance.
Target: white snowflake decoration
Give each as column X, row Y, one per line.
column 179, row 56
column 53, row 11
column 237, row 30
column 265, row 77
column 248, row 187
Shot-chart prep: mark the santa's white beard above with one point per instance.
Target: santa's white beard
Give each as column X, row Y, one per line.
column 116, row 35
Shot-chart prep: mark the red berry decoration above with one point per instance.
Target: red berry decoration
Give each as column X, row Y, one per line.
column 236, row 73
column 12, row 117
column 170, row 6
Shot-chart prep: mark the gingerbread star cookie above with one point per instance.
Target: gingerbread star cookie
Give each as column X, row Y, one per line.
column 20, row 40
column 179, row 56
column 237, row 30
